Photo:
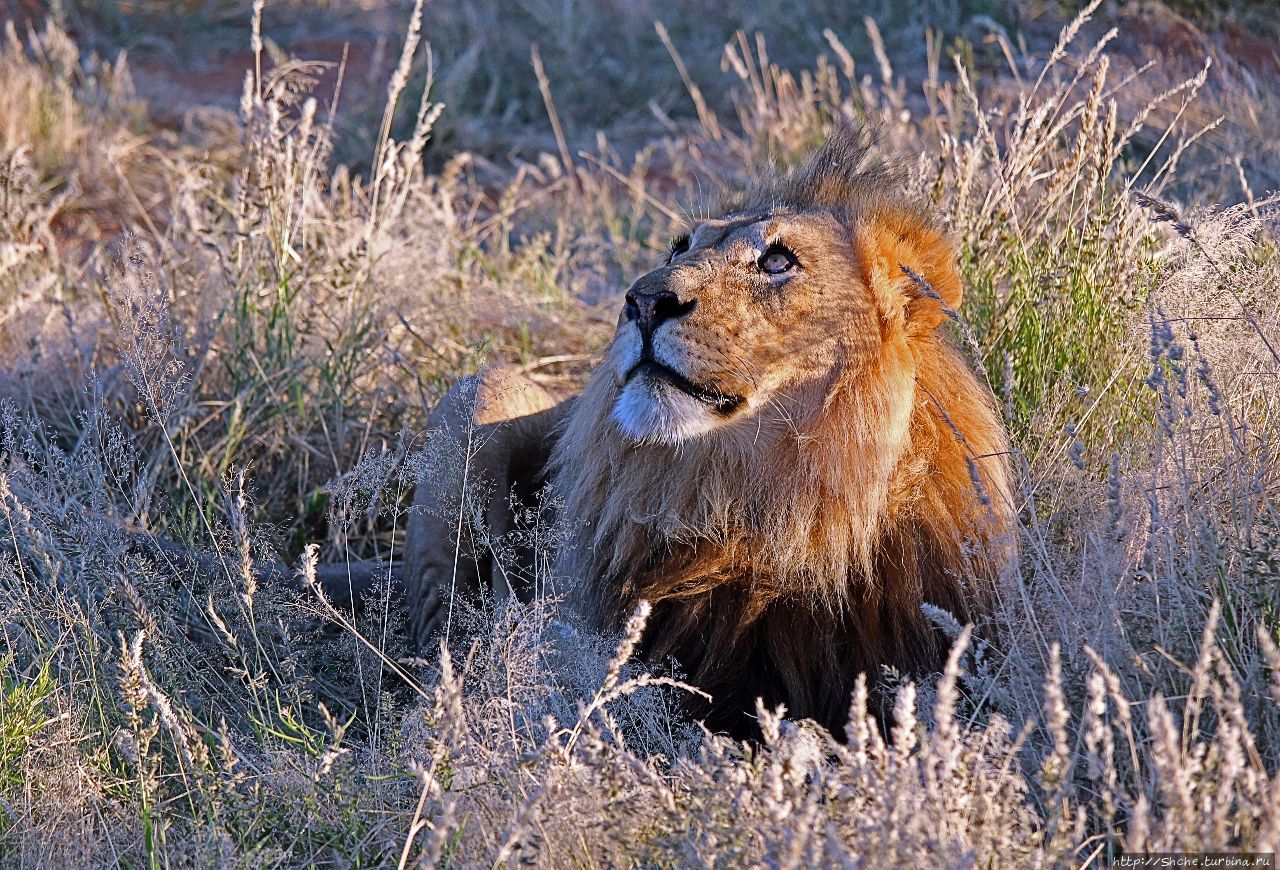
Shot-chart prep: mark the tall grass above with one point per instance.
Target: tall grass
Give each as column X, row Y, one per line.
column 247, row 369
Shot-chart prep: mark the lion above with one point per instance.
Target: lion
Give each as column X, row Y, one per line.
column 779, row 450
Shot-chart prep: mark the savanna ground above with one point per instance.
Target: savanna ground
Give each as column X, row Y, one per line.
column 241, row 256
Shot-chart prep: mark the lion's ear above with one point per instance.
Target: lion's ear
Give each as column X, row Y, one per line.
column 890, row 244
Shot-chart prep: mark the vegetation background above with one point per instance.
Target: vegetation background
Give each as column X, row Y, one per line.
column 243, row 249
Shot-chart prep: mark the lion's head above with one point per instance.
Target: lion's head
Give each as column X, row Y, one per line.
column 760, row 313
column 781, row 450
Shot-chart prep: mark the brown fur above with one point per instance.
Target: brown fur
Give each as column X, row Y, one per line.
column 790, row 546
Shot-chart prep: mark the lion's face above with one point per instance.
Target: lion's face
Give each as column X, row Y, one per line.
column 748, row 310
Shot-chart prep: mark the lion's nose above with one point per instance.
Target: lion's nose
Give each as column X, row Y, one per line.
column 651, row 309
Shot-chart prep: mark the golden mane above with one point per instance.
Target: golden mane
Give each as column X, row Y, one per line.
column 784, row 566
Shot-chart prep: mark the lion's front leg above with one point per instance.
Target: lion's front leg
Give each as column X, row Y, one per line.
column 498, row 428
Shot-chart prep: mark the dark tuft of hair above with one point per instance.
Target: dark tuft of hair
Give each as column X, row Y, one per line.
column 848, row 175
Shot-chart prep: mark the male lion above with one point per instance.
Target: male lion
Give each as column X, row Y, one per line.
column 779, row 451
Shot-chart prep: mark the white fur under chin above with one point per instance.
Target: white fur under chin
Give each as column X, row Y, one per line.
column 650, row 410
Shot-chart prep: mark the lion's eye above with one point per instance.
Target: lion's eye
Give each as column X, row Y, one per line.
column 678, row 246
column 777, row 259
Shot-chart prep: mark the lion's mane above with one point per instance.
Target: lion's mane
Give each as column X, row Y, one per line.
column 782, row 572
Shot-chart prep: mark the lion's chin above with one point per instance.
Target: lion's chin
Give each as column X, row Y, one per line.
column 650, row 410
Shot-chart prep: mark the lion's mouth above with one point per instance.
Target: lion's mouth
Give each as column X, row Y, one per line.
column 724, row 403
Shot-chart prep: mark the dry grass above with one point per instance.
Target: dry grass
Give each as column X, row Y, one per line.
column 223, row 337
